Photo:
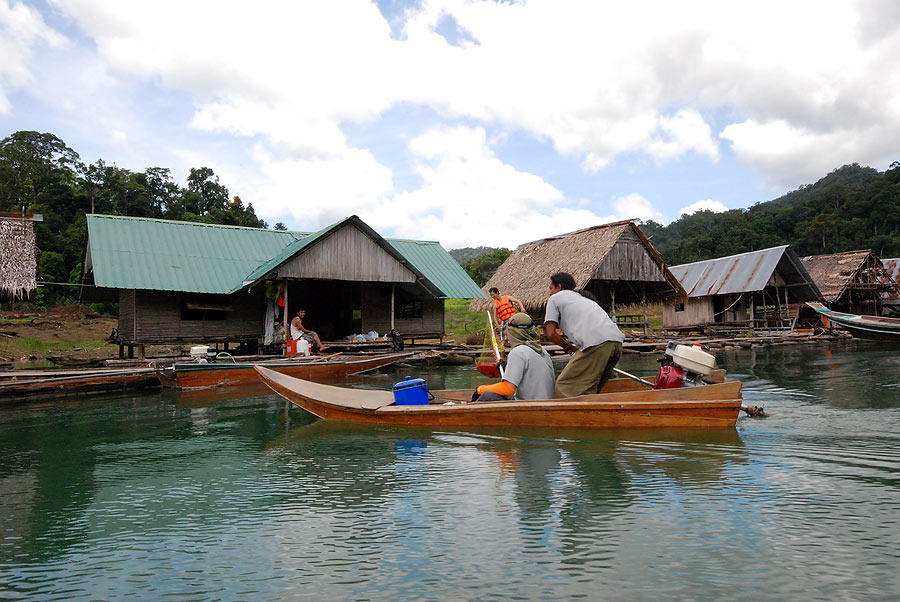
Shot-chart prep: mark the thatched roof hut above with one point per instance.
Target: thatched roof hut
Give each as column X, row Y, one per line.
column 854, row 281
column 615, row 261
column 18, row 255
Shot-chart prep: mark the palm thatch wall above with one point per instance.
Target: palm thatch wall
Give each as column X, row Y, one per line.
column 616, row 262
column 18, row 258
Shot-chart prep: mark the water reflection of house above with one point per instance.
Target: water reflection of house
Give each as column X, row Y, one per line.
column 855, row 282
column 183, row 282
column 615, row 262
column 756, row 290
column 18, row 255
column 891, row 299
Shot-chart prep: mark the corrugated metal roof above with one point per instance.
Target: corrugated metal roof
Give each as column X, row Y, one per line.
column 151, row 254
column 747, row 272
column 438, row 265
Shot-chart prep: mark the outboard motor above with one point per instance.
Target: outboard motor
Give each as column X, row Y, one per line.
column 669, row 375
column 396, row 340
column 202, row 354
column 683, row 363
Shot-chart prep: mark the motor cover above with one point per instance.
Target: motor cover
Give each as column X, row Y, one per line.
column 669, row 377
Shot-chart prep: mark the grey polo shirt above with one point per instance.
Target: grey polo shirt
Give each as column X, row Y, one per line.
column 530, row 372
column 581, row 320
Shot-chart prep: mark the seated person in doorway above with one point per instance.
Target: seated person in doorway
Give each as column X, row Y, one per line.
column 591, row 336
column 298, row 331
column 502, row 310
column 529, row 369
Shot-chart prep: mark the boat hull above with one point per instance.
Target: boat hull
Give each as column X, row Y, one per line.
column 712, row 406
column 876, row 328
column 12, row 391
column 193, row 376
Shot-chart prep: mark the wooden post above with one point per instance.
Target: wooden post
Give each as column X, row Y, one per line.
column 787, row 307
column 612, row 303
column 141, row 351
column 753, row 311
column 644, row 308
column 392, row 306
column 287, row 325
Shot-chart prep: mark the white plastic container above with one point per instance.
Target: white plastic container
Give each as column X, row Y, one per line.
column 199, row 351
column 693, row 359
column 302, row 347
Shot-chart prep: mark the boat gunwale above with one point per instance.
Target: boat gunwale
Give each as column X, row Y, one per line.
column 606, row 401
column 195, row 367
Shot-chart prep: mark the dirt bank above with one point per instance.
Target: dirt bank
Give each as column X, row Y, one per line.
column 63, row 335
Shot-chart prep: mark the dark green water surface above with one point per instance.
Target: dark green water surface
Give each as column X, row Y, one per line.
column 163, row 497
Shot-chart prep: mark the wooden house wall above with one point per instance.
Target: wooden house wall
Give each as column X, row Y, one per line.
column 629, row 260
column 697, row 311
column 347, row 254
column 377, row 313
column 126, row 315
column 155, row 317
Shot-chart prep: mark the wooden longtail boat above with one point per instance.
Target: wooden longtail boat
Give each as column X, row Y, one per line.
column 15, row 388
column 861, row 326
column 191, row 375
column 623, row 404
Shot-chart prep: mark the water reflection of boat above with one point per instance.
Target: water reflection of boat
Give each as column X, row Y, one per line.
column 624, row 404
column 192, row 375
column 861, row 326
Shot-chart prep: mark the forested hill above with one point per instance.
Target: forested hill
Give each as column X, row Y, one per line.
column 851, row 208
column 39, row 172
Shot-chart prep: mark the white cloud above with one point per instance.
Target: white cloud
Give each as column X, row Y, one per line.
column 470, row 197
column 704, row 205
column 635, row 206
column 21, row 29
column 794, row 96
column 317, row 191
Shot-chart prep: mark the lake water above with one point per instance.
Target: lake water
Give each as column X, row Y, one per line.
column 159, row 497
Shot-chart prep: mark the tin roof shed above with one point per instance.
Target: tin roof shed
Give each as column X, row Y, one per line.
column 150, row 254
column 747, row 272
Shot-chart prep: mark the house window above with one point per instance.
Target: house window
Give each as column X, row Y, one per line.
column 203, row 308
column 679, row 307
column 410, row 309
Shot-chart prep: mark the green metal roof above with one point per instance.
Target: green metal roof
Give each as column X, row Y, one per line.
column 438, row 265
column 152, row 254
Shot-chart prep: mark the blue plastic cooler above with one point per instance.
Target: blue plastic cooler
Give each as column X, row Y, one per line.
column 411, row 392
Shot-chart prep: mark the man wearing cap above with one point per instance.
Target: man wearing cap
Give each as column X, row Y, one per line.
column 529, row 369
column 591, row 336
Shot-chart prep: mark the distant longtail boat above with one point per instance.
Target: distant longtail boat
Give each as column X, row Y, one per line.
column 861, row 326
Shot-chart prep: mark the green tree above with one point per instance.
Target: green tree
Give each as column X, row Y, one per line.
column 481, row 268
column 30, row 163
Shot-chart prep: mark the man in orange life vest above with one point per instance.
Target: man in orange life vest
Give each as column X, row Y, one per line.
column 502, row 310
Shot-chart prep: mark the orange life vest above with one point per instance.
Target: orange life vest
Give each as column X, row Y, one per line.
column 505, row 310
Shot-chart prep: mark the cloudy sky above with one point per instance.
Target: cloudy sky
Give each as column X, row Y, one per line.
column 465, row 121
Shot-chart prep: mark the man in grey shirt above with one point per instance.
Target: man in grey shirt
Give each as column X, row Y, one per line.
column 594, row 340
column 529, row 370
